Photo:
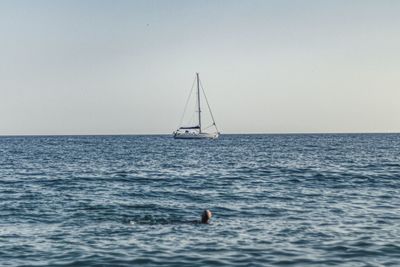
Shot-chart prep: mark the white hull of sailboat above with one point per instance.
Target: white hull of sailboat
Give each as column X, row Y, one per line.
column 196, row 135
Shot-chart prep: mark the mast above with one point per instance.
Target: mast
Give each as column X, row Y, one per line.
column 198, row 100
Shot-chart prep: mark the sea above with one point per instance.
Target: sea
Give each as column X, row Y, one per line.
column 276, row 200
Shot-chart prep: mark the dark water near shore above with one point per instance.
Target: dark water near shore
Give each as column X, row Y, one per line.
column 278, row 200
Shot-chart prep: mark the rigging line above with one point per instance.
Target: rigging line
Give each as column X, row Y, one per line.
column 208, row 105
column 209, row 126
column 187, row 101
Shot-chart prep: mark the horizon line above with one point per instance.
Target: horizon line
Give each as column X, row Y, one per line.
column 166, row 134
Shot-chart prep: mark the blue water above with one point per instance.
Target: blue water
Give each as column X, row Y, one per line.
column 278, row 200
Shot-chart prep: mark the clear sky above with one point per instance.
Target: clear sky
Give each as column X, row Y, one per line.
column 126, row 67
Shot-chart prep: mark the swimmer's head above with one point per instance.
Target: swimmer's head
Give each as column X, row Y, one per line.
column 206, row 216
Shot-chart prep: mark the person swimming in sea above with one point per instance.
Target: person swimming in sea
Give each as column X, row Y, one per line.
column 206, row 216
column 205, row 219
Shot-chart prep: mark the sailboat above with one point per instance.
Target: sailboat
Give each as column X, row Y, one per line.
column 197, row 131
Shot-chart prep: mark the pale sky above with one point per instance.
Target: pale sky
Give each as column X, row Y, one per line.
column 126, row 67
